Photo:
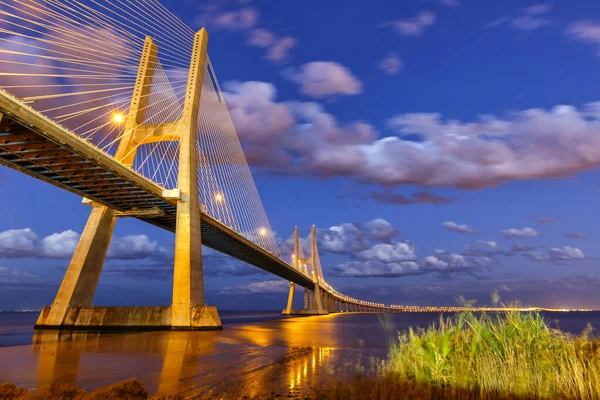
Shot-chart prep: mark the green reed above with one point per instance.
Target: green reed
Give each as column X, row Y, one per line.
column 509, row 352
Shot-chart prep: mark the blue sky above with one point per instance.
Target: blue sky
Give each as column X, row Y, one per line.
column 442, row 148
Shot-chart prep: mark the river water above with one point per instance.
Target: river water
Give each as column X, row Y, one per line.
column 256, row 353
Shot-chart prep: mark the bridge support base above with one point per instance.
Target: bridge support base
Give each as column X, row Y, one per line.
column 129, row 319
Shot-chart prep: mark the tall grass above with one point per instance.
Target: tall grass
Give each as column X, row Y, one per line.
column 515, row 353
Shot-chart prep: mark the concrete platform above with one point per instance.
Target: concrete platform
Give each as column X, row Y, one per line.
column 156, row 318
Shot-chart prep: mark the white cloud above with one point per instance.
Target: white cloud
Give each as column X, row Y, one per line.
column 446, row 262
column 324, row 78
column 17, row 243
column 523, row 232
column 559, row 254
column 261, row 38
column 389, row 253
column 380, row 230
column 241, row 19
column 281, row 48
column 391, row 64
column 344, row 238
column 256, row 114
column 491, row 150
column 586, row 31
column 453, row 226
column 360, row 269
column 132, row 247
column 60, row 245
column 414, row 26
column 24, row 243
column 272, row 286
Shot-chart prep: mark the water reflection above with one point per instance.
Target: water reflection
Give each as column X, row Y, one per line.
column 247, row 359
column 63, row 355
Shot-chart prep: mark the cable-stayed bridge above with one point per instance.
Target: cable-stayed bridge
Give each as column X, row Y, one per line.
column 118, row 101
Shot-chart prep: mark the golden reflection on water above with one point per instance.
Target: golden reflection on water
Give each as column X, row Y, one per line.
column 251, row 359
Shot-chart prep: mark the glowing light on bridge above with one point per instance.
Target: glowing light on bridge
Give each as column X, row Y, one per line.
column 219, row 197
column 262, row 231
column 118, row 118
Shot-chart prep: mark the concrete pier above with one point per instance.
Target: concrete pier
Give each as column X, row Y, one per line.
column 72, row 308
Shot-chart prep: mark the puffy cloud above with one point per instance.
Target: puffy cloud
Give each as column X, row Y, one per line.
column 278, row 48
column 60, row 245
column 272, row 286
column 524, row 145
column 576, row 235
column 417, row 198
column 391, row 64
column 441, row 262
column 256, row 115
column 446, row 262
column 453, row 226
column 344, row 238
column 523, row 232
column 18, row 243
column 414, row 26
column 354, row 238
column 559, row 254
column 547, row 220
column 324, row 78
column 321, row 127
column 586, row 31
column 132, row 247
column 23, row 243
column 281, row 48
column 261, row 38
column 241, row 19
column 380, row 230
column 358, row 269
column 482, row 248
column 389, row 253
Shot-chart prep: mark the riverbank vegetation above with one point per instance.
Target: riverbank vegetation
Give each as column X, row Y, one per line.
column 511, row 355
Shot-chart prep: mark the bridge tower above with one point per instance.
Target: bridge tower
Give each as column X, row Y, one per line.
column 72, row 305
column 314, row 303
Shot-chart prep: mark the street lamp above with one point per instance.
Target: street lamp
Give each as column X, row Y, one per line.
column 118, row 118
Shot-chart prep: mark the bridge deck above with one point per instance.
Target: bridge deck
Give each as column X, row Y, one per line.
column 39, row 147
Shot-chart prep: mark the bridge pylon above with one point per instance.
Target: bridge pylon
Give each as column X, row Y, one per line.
column 315, row 298
column 72, row 307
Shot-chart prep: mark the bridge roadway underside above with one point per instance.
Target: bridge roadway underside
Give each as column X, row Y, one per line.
column 33, row 144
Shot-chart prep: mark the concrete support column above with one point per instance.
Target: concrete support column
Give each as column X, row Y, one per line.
column 290, row 302
column 306, row 298
column 79, row 284
column 188, row 280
